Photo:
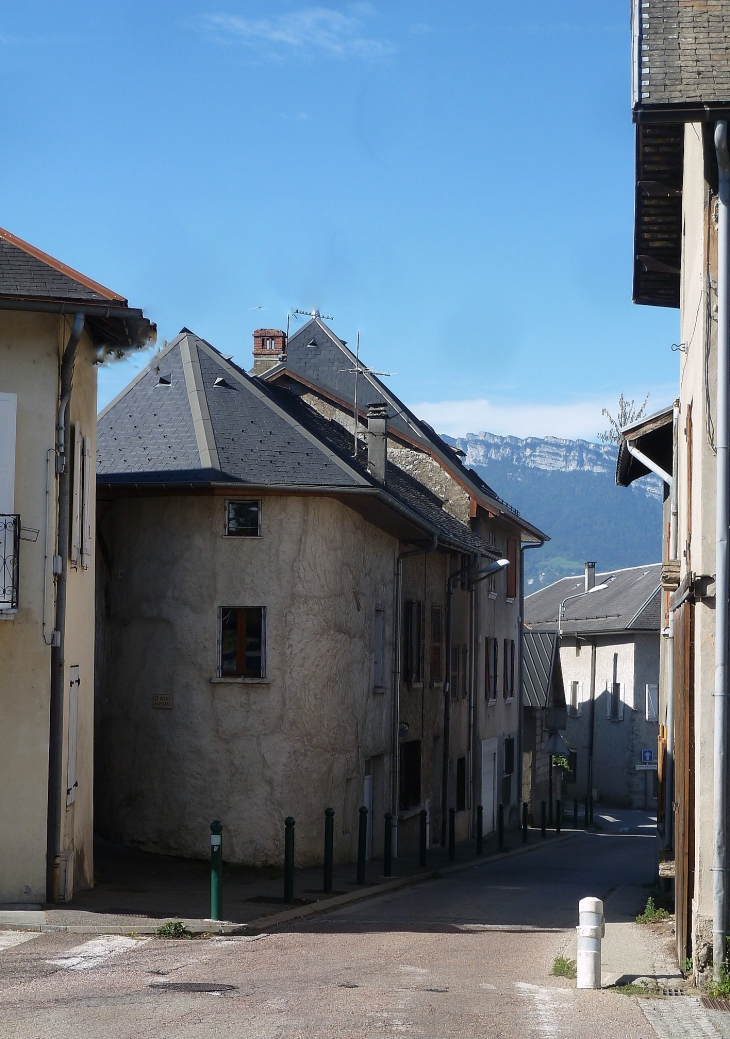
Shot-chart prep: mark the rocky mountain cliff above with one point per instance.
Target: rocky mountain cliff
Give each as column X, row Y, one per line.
column 568, row 489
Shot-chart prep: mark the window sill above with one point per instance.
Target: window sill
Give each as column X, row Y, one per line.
column 509, row 699
column 8, row 615
column 510, row 598
column 491, row 700
column 378, row 690
column 416, row 685
column 435, row 684
column 409, row 813
column 240, row 680
column 242, row 537
column 491, row 595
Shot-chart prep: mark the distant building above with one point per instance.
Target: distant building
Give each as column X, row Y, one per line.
column 608, row 633
column 56, row 326
column 543, row 714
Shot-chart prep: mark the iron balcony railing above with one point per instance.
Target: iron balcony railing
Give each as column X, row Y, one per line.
column 9, row 552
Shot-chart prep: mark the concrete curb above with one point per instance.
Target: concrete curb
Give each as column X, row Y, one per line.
column 37, row 919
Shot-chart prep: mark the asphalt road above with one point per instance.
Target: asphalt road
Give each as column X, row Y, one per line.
column 460, row 956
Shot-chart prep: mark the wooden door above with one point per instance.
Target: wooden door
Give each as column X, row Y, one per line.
column 684, row 764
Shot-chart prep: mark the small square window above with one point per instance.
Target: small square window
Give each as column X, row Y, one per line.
column 242, row 640
column 243, row 519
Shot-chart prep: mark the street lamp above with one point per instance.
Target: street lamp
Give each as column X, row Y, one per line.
column 561, row 611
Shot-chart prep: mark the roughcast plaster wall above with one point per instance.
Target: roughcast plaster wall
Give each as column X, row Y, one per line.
column 248, row 753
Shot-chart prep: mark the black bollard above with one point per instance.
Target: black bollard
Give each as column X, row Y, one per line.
column 542, row 818
column 586, row 818
column 452, row 834
column 329, row 827
column 288, row 859
column 558, row 815
column 362, row 844
column 524, row 822
column 500, row 827
column 480, row 829
column 575, row 813
column 388, row 846
column 423, row 833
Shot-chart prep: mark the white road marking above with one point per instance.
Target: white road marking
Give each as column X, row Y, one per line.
column 548, row 1006
column 413, row 970
column 96, row 951
column 9, row 939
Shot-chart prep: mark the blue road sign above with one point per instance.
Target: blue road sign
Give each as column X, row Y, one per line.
column 647, row 756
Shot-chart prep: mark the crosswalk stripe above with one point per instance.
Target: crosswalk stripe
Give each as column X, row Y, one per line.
column 96, row 951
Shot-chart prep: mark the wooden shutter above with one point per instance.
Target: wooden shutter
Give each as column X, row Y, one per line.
column 487, row 668
column 76, row 493
column 87, row 490
column 454, row 671
column 505, row 670
column 464, row 671
column 436, row 674
column 512, row 569
column 73, row 715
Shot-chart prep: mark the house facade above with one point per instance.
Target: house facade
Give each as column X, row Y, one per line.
column 278, row 633
column 681, row 104
column 56, row 326
column 607, row 626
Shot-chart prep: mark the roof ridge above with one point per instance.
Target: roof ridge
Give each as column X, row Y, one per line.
column 62, row 268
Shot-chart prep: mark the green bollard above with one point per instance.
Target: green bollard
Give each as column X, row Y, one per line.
column 388, row 846
column 216, row 866
column 524, row 822
column 558, row 815
column 500, row 827
column 575, row 813
column 289, row 859
column 423, row 833
column 543, row 806
column 452, row 834
column 329, row 827
column 362, row 844
column 480, row 829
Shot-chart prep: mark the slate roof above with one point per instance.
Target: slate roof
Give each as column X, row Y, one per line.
column 631, row 602
column 317, row 357
column 193, row 417
column 681, row 54
column 32, row 280
column 542, row 674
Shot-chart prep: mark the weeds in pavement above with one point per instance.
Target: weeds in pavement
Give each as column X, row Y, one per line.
column 652, row 914
column 719, row 989
column 173, row 929
column 687, row 966
column 634, row 988
column 563, row 968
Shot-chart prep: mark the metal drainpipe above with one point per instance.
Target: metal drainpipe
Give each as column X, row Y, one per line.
column 55, row 734
column 668, row 840
column 397, row 648
column 722, row 518
column 521, row 629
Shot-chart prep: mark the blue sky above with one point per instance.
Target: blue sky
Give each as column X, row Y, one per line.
column 453, row 179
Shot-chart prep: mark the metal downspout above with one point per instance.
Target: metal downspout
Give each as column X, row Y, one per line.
column 397, row 667
column 668, row 840
column 55, row 733
column 722, row 517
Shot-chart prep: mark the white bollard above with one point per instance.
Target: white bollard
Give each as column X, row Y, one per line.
column 592, row 928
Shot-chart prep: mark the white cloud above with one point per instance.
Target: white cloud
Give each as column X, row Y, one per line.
column 320, row 28
column 581, row 420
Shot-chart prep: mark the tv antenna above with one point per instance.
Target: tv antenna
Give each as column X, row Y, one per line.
column 356, row 372
column 313, row 313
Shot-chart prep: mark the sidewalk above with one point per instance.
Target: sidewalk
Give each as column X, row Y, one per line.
column 135, row 892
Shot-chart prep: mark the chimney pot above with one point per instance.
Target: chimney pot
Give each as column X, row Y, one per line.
column 269, row 348
column 377, row 440
column 590, row 576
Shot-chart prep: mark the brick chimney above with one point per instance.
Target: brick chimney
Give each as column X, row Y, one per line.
column 377, row 440
column 269, row 347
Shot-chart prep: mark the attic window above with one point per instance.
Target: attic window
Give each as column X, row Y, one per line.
column 220, row 381
column 311, row 344
column 163, row 380
column 243, row 519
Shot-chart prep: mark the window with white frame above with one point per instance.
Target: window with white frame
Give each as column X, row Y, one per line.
column 652, row 703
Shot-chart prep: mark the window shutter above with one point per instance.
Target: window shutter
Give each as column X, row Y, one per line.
column 579, row 711
column 436, row 668
column 76, row 495
column 454, row 691
column 464, row 670
column 8, row 409
column 495, row 687
column 422, row 640
column 487, row 669
column 609, row 701
column 652, row 703
column 512, row 569
column 87, row 491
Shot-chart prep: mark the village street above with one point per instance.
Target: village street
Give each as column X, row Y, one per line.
column 467, row 955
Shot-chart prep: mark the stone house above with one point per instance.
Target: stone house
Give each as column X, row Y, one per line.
column 609, row 659
column 543, row 714
column 56, row 326
column 681, row 104
column 274, row 620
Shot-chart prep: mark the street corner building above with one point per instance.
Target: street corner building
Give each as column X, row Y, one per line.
column 605, row 630
column 290, row 619
column 681, row 105
column 56, row 327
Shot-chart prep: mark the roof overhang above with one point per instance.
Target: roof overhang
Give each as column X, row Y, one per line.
column 654, row 437
column 120, row 328
column 686, row 112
